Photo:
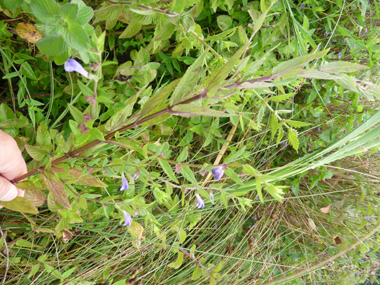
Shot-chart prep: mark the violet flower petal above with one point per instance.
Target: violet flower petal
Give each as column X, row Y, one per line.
column 127, row 218
column 200, row 203
column 218, row 172
column 124, row 183
column 72, row 65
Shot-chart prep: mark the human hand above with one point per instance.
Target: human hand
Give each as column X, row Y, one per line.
column 12, row 165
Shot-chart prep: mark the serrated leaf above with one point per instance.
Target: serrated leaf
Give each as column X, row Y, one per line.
column 168, row 170
column 44, row 10
column 133, row 28
column 52, row 45
column 90, row 180
column 36, row 153
column 274, row 125
column 280, row 135
column 292, row 137
column 85, row 14
column 109, row 12
column 217, row 78
column 75, row 36
column 296, row 124
column 36, row 197
column 68, row 12
column 189, row 80
column 20, row 204
column 191, row 110
column 57, row 190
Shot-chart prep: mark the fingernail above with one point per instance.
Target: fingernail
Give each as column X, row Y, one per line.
column 11, row 194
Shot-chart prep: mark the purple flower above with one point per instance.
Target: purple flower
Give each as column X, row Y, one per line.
column 286, row 144
column 327, row 33
column 219, row 171
column 211, row 195
column 255, row 218
column 302, row 5
column 127, row 218
column 309, row 150
column 366, row 31
column 124, row 183
column 319, row 129
column 257, row 197
column 135, row 175
column 178, row 168
column 200, row 203
column 340, row 55
column 263, row 159
column 72, row 65
column 367, row 218
column 319, row 47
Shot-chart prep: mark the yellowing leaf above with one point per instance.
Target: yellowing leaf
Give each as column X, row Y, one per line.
column 29, row 32
column 90, row 180
column 20, row 204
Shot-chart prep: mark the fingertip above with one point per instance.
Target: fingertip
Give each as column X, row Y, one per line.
column 11, row 194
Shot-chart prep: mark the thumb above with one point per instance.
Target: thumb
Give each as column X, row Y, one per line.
column 8, row 191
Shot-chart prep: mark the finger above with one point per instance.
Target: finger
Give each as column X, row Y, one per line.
column 7, row 190
column 12, row 163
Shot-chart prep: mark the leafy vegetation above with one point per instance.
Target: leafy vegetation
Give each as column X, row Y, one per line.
column 243, row 135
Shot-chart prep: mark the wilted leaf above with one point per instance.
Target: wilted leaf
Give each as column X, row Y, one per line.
column 36, row 197
column 57, row 190
column 326, row 210
column 337, row 240
column 90, row 180
column 20, row 204
column 137, row 232
column 312, row 225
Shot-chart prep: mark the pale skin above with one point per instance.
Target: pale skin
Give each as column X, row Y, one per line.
column 12, row 165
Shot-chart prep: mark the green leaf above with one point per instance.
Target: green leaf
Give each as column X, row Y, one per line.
column 10, row 4
column 296, row 124
column 223, row 196
column 182, row 236
column 52, row 45
column 20, row 204
column 44, row 10
column 232, row 174
column 159, row 98
column 274, row 125
column 90, row 180
column 292, row 137
column 313, row 73
column 280, row 98
column 178, row 5
column 342, row 66
column 77, row 115
column 189, row 80
column 297, row 62
column 346, row 82
column 85, row 14
column 217, row 78
column 133, row 28
column 224, row 22
column 178, row 262
column 57, row 190
column 188, row 174
column 197, row 273
column 183, row 155
column 36, row 153
column 191, row 110
column 67, row 273
column 69, row 12
column 33, row 271
column 75, row 36
column 258, row 189
column 168, row 170
column 109, row 12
